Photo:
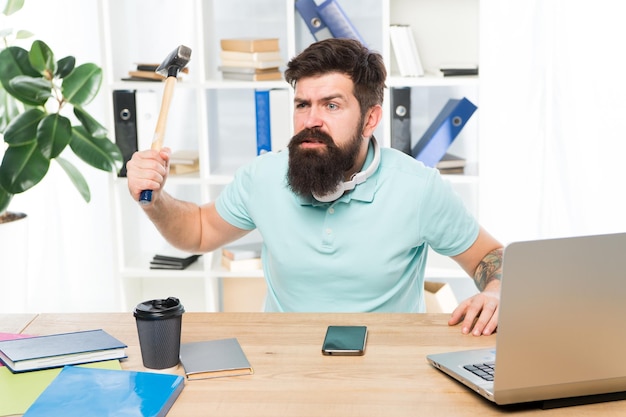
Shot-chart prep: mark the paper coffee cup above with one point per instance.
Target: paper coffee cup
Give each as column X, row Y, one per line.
column 159, row 326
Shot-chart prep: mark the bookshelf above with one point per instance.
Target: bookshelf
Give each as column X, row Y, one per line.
column 216, row 117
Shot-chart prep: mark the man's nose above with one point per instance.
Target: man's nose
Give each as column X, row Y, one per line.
column 313, row 118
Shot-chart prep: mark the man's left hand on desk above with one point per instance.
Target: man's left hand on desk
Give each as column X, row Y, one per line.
column 479, row 314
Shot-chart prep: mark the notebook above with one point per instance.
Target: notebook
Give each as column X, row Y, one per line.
column 560, row 337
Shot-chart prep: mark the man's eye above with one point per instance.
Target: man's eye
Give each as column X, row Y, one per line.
column 332, row 106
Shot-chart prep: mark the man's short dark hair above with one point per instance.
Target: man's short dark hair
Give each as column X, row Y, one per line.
column 347, row 56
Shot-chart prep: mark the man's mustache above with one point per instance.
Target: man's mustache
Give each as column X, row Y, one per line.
column 312, row 135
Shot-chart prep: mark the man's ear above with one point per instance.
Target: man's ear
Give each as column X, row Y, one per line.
column 372, row 119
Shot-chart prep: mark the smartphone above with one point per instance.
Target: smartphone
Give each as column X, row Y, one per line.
column 345, row 340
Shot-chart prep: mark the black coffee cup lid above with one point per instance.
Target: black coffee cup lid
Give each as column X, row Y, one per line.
column 159, row 309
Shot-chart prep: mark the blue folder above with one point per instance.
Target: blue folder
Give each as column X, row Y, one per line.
column 433, row 145
column 327, row 20
column 81, row 392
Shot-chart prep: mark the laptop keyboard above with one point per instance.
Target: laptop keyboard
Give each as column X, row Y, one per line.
column 483, row 370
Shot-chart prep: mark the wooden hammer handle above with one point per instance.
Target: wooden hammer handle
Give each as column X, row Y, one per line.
column 159, row 131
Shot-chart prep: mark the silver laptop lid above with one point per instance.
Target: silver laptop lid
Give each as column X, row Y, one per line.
column 562, row 328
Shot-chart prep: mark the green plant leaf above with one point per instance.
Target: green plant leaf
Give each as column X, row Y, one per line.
column 94, row 127
column 53, row 135
column 76, row 177
column 82, row 84
column 41, row 58
column 23, row 129
column 14, row 62
column 23, row 34
column 99, row 153
column 8, row 109
column 31, row 90
column 5, row 199
column 12, row 6
column 22, row 167
column 65, row 66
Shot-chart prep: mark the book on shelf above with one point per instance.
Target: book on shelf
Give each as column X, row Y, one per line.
column 252, row 64
column 240, row 251
column 327, row 19
column 147, row 72
column 405, row 51
column 451, row 164
column 184, row 161
column 435, row 142
column 249, row 44
column 172, row 262
column 242, row 265
column 248, row 70
column 214, row 359
column 456, row 70
column 57, row 350
column 273, row 75
column 78, row 391
column 20, row 390
column 250, row 56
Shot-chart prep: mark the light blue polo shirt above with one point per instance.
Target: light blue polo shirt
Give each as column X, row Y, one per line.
column 365, row 251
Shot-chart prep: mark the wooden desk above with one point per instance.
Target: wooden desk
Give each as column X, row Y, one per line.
column 292, row 378
column 15, row 323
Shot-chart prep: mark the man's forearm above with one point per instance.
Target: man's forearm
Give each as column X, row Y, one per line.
column 489, row 269
column 177, row 221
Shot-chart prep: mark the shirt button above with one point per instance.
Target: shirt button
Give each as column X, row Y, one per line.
column 331, row 210
column 329, row 231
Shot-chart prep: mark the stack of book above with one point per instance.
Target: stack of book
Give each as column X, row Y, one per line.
column 184, row 162
column 147, row 72
column 451, row 164
column 57, row 350
column 172, row 262
column 250, row 59
column 242, row 257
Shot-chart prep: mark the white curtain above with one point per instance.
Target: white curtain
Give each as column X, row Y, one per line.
column 552, row 118
column 70, row 244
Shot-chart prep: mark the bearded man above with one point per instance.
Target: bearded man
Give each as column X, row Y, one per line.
column 346, row 224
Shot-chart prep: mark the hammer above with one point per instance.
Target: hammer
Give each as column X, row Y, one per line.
column 169, row 68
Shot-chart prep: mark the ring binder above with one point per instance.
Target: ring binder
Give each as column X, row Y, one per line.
column 444, row 129
column 327, row 20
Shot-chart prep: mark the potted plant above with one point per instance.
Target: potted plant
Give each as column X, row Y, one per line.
column 42, row 115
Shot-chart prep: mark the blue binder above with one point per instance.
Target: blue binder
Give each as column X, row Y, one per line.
column 433, row 145
column 263, row 123
column 327, row 20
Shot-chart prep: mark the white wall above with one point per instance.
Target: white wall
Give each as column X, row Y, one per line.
column 552, row 118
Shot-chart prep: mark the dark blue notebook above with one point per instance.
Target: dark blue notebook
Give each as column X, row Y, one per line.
column 80, row 392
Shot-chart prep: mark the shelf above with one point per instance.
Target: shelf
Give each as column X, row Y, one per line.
column 432, row 81
column 217, row 117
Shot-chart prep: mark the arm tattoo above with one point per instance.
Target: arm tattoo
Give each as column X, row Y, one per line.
column 489, row 269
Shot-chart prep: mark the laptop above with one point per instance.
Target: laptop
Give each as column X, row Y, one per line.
column 562, row 325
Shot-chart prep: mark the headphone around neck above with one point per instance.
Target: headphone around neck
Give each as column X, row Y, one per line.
column 356, row 179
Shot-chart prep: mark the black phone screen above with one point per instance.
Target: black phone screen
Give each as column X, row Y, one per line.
column 345, row 340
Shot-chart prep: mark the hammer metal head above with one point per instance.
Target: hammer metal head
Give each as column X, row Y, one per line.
column 175, row 61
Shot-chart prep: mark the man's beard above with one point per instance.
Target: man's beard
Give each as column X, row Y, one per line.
column 319, row 170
